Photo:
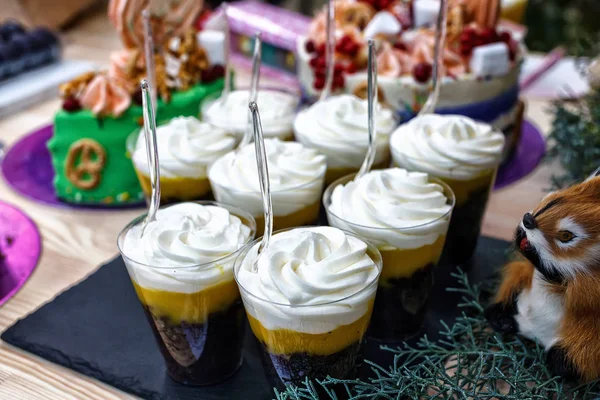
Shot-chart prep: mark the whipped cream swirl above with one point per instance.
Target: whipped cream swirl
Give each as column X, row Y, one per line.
column 277, row 111
column 309, row 280
column 186, row 147
column 448, row 146
column 391, row 208
column 338, row 128
column 177, row 250
column 296, row 174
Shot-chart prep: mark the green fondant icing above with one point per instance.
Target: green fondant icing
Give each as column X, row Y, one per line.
column 118, row 183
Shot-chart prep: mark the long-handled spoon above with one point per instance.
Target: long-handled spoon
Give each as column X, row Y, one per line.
column 371, row 102
column 438, row 58
column 263, row 177
column 149, row 55
column 253, row 96
column 227, row 51
column 329, row 50
column 151, row 151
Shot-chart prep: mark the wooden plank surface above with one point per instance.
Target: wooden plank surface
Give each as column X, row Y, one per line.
column 76, row 242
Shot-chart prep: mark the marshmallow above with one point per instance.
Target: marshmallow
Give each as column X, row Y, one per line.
column 384, row 23
column 425, row 12
column 490, row 60
column 214, row 44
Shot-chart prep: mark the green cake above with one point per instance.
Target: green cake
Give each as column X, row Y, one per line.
column 89, row 153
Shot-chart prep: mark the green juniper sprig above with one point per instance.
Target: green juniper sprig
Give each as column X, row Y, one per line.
column 469, row 361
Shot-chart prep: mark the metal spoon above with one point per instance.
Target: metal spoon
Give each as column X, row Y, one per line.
column 149, row 55
column 256, row 62
column 438, row 59
column 371, row 102
column 329, row 50
column 263, row 176
column 152, row 153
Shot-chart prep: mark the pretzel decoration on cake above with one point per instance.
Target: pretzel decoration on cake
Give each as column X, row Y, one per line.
column 360, row 91
column 85, row 161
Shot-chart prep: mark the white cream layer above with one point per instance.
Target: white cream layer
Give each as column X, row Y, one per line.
column 296, row 175
column 186, row 147
column 321, row 278
column 178, row 250
column 391, row 208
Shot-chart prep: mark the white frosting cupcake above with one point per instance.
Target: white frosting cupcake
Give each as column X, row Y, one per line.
column 277, row 112
column 338, row 128
column 447, row 146
column 391, row 207
column 309, row 280
column 178, row 251
column 186, row 147
column 296, row 175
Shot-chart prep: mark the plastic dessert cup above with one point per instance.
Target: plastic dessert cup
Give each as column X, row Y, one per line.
column 289, row 357
column 407, row 275
column 280, row 107
column 199, row 329
column 472, row 196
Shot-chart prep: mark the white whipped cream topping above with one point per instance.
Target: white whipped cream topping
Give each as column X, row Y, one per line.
column 177, row 250
column 449, row 146
column 186, row 147
column 391, row 208
column 304, row 270
column 338, row 128
column 296, row 175
column 277, row 111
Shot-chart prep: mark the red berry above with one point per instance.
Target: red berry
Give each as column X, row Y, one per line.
column 313, row 62
column 71, row 104
column 471, row 32
column 465, row 49
column 321, row 63
column 319, row 83
column 466, row 38
column 478, row 41
column 338, row 81
column 321, row 49
column 400, row 46
column 488, row 35
column 218, row 71
column 137, row 98
column 505, row 37
column 351, row 68
column 207, row 75
column 310, row 46
column 351, row 48
column 320, row 73
column 338, row 68
column 422, row 72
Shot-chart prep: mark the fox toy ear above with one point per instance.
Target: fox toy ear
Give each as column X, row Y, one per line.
column 593, row 174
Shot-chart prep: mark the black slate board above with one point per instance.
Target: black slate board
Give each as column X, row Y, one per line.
column 98, row 328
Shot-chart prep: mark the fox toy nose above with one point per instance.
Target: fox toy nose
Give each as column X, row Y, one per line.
column 528, row 221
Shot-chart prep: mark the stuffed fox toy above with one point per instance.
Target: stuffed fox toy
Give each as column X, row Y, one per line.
column 554, row 295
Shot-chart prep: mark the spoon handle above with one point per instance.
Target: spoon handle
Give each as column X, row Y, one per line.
column 371, row 101
column 438, row 59
column 151, row 151
column 227, row 87
column 149, row 54
column 329, row 50
column 256, row 62
column 263, row 176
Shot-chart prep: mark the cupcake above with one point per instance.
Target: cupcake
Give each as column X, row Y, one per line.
column 186, row 147
column 406, row 216
column 182, row 271
column 277, row 118
column 463, row 153
column 337, row 127
column 296, row 175
column 309, row 299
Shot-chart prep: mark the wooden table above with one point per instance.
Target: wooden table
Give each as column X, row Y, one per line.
column 76, row 242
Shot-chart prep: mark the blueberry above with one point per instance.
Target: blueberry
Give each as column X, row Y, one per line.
column 44, row 36
column 10, row 28
column 46, row 43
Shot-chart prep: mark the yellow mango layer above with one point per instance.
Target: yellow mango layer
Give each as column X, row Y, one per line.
column 189, row 307
column 285, row 341
column 403, row 263
column 334, row 174
column 181, row 189
column 463, row 189
column 305, row 216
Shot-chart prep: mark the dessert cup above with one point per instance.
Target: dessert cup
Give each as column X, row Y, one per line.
column 297, row 177
column 278, row 109
column 337, row 128
column 194, row 309
column 466, row 155
column 186, row 147
column 314, row 328
column 409, row 253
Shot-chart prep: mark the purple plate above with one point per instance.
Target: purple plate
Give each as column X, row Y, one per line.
column 27, row 167
column 528, row 154
column 20, row 249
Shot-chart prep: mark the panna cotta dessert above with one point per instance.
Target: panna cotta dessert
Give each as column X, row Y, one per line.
column 309, row 298
column 463, row 153
column 337, row 127
column 278, row 109
column 182, row 271
column 296, row 174
column 186, row 147
column 406, row 216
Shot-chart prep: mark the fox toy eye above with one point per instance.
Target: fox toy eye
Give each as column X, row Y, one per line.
column 565, row 236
